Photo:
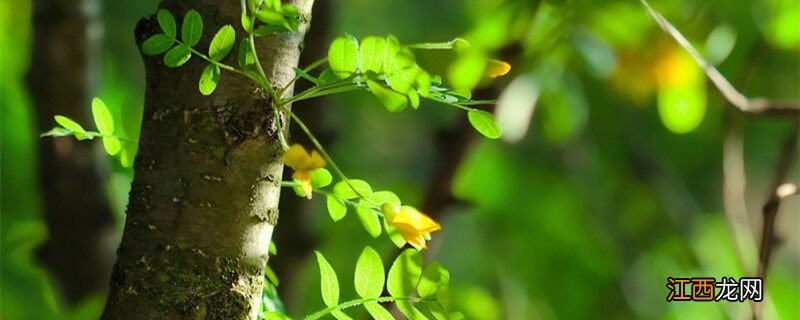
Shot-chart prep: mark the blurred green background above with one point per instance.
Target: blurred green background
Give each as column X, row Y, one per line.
column 608, row 181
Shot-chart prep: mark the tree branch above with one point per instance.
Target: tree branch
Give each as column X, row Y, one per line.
column 780, row 190
column 755, row 106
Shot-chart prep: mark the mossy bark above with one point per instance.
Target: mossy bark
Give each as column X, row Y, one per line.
column 204, row 198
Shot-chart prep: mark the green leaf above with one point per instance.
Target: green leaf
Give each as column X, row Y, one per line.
column 222, row 43
column 433, row 278
column 273, row 250
column 369, row 220
column 394, row 235
column 381, row 197
column 102, row 117
column 269, row 16
column 485, row 123
column 271, row 276
column 272, row 315
column 70, row 124
column 377, row 312
column 329, row 284
column 128, row 155
column 336, row 208
column 320, row 178
column 392, row 100
column 467, row 70
column 340, row 315
column 57, row 132
column 344, row 189
column 209, row 79
column 371, row 51
column 177, row 56
column 247, row 23
column 343, row 56
column 404, row 273
column 167, row 23
column 192, row 28
column 246, row 57
column 327, row 77
column 157, row 44
column 369, row 274
column 112, row 145
column 411, row 312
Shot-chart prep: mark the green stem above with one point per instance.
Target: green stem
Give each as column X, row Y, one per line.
column 306, row 70
column 357, row 302
column 451, row 104
column 323, row 152
column 315, row 91
column 449, row 45
column 209, row 60
column 281, row 136
column 264, row 80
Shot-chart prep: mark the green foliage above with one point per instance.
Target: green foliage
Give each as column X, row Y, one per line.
column 485, row 123
column 222, row 43
column 157, row 44
column 177, row 56
column 105, row 124
column 329, row 283
column 369, row 274
column 401, row 282
column 343, row 56
column 209, row 79
column 352, row 189
column 167, row 22
column 192, row 28
column 336, row 208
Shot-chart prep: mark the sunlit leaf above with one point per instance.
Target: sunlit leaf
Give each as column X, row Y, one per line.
column 68, row 123
column 377, row 311
column 369, row 220
column 340, row 315
column 192, row 28
column 177, row 56
column 394, row 235
column 381, row 197
column 112, row 145
column 484, row 123
column 369, row 276
column 222, row 43
column 345, row 190
column 343, row 56
column 329, row 283
column 371, row 51
column 336, row 208
column 271, row 276
column 433, row 278
column 167, row 22
column 157, row 44
column 392, row 100
column 467, row 70
column 102, row 117
column 209, row 79
column 404, row 274
column 320, row 178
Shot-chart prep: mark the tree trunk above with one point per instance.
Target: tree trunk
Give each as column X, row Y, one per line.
column 204, row 198
column 76, row 208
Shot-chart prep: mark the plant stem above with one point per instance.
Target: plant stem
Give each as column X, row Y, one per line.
column 306, row 70
column 356, row 302
column 451, row 104
column 315, row 91
column 323, row 152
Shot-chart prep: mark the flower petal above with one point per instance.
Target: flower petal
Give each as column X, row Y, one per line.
column 296, row 157
column 497, row 68
column 316, row 161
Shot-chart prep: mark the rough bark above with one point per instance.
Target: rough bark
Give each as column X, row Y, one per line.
column 204, row 198
column 76, row 209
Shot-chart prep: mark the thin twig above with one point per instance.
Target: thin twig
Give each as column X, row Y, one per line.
column 759, row 106
column 779, row 191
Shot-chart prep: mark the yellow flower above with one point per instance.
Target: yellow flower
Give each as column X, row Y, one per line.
column 412, row 224
column 497, row 68
column 303, row 162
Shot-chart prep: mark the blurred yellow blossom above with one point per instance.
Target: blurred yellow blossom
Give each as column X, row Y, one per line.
column 497, row 68
column 303, row 162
